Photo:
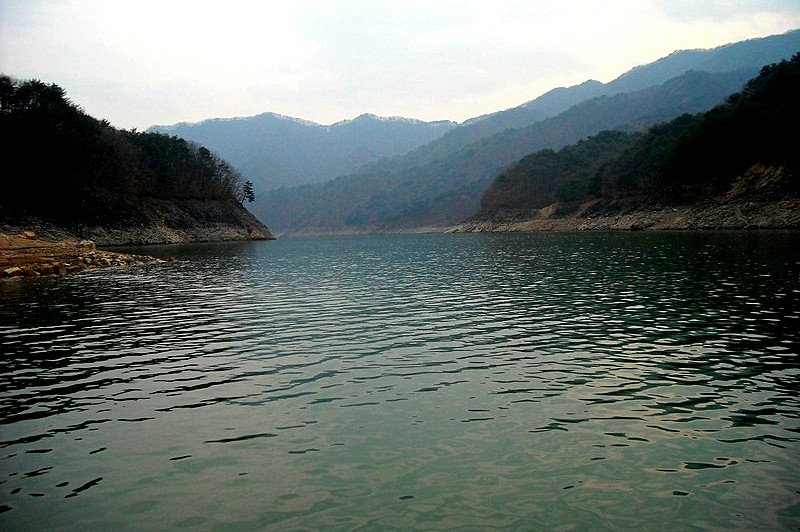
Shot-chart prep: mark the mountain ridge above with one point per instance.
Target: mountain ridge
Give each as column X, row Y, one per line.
column 291, row 168
column 275, row 150
column 444, row 191
column 730, row 167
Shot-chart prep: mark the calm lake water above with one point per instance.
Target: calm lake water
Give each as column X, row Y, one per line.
column 637, row 381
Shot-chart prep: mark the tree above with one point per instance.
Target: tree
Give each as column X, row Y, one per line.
column 247, row 192
column 82, row 171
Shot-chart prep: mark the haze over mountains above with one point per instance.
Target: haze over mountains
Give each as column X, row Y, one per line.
column 275, row 150
column 399, row 174
column 405, row 193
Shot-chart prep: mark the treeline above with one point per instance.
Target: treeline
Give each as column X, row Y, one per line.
column 550, row 176
column 676, row 162
column 66, row 167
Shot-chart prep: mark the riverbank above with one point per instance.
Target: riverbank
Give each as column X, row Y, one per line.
column 705, row 215
column 156, row 221
column 24, row 255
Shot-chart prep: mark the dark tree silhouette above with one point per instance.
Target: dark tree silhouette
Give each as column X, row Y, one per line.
column 64, row 166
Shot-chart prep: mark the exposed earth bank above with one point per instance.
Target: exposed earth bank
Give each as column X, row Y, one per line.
column 708, row 215
column 25, row 256
column 763, row 198
column 31, row 247
column 157, row 221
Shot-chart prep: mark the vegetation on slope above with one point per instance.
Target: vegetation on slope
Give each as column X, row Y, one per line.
column 441, row 183
column 677, row 162
column 549, row 176
column 69, row 169
column 445, row 191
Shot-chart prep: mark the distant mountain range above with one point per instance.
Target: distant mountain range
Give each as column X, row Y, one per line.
column 401, row 195
column 399, row 173
column 752, row 53
column 274, row 150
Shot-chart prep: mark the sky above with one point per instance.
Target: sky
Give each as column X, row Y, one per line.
column 139, row 63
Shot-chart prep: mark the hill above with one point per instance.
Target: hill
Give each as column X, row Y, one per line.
column 274, row 150
column 447, row 190
column 733, row 166
column 441, row 183
column 74, row 175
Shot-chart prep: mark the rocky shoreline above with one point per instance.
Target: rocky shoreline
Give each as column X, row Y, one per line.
column 23, row 255
column 159, row 221
column 708, row 215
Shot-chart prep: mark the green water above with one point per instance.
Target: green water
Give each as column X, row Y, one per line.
column 641, row 381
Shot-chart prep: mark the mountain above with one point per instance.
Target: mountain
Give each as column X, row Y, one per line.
column 441, row 182
column 752, row 53
column 747, row 53
column 446, row 190
column 83, row 178
column 274, row 150
column 733, row 166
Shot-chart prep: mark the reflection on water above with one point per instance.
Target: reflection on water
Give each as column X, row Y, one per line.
column 603, row 381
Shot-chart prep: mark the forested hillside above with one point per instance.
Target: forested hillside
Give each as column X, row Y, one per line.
column 549, row 177
column 741, row 148
column 446, row 190
column 441, row 182
column 699, row 156
column 748, row 54
column 69, row 170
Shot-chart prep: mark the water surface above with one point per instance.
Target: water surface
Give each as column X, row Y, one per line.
column 580, row 381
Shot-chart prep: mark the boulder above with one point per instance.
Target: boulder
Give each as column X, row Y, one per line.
column 14, row 271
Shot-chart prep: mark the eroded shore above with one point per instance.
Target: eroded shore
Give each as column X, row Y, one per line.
column 703, row 216
column 24, row 255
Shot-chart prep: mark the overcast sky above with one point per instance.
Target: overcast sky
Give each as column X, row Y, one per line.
column 141, row 62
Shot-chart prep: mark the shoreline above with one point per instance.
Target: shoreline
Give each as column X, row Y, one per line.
column 750, row 213
column 782, row 214
column 23, row 255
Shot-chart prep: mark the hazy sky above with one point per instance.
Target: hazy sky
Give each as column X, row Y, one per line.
column 141, row 62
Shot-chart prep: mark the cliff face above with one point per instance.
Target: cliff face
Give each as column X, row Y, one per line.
column 160, row 221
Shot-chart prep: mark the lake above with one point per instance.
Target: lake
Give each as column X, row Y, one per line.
column 554, row 381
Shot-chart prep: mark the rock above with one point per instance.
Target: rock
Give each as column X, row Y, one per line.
column 21, row 257
column 87, row 244
column 14, row 271
column 30, row 235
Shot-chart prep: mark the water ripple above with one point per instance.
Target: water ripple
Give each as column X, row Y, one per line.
column 503, row 380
